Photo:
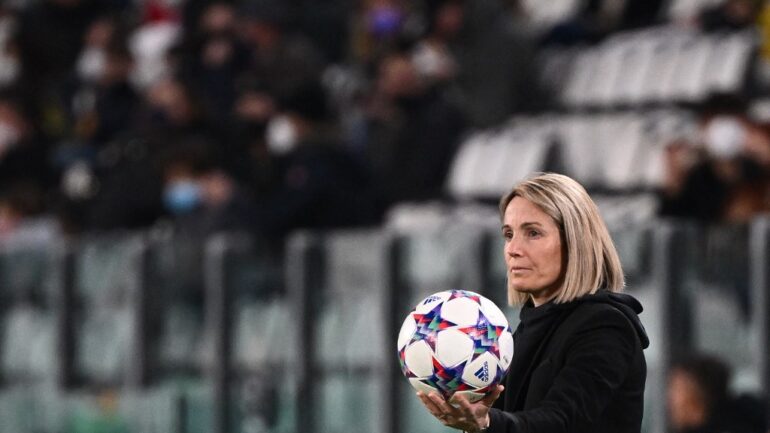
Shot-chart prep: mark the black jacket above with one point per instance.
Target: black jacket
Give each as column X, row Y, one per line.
column 577, row 367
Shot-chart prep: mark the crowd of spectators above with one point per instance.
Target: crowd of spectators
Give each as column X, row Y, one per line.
column 264, row 115
column 722, row 173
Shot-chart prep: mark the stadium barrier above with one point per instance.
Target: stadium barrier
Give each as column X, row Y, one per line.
column 215, row 335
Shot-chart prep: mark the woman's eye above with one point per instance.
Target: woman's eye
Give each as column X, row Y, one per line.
column 533, row 233
column 507, row 235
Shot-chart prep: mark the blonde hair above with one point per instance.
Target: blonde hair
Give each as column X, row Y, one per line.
column 591, row 259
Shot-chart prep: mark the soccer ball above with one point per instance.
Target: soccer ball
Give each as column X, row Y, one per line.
column 455, row 342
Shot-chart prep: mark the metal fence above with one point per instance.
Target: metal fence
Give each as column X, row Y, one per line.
column 157, row 333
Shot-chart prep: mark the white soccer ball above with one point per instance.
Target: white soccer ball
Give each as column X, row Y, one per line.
column 456, row 342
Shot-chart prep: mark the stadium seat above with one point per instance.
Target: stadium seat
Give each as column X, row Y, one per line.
column 107, row 269
column 722, row 302
column 729, row 61
column 444, row 257
column 28, row 346
column 353, row 313
column 104, row 345
column 175, row 274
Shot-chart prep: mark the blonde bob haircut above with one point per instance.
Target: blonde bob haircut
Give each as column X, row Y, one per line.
column 591, row 259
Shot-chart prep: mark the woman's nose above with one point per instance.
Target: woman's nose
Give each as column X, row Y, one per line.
column 513, row 248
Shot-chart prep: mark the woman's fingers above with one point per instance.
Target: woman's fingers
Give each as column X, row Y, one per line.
column 489, row 399
column 430, row 404
column 442, row 404
column 461, row 413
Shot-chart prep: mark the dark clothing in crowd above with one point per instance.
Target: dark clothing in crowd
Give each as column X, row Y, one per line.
column 317, row 186
column 702, row 197
column 288, row 65
column 578, row 367
column 237, row 214
column 51, row 36
column 723, row 412
column 496, row 62
column 744, row 414
column 25, row 162
column 410, row 154
column 116, row 107
column 707, row 197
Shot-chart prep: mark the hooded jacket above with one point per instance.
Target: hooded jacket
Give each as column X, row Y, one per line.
column 577, row 367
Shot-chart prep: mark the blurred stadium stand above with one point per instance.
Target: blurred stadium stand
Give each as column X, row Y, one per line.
column 274, row 306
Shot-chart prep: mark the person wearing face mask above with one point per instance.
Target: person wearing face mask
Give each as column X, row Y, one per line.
column 579, row 364
column 726, row 179
column 316, row 182
column 199, row 195
column 105, row 103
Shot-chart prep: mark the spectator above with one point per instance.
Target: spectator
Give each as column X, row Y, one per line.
column 413, row 132
column 379, row 27
column 317, row 184
column 128, row 171
column 201, row 197
column 699, row 400
column 215, row 59
column 327, row 24
column 432, row 55
column 22, row 155
column 280, row 59
column 727, row 179
column 495, row 54
column 247, row 156
column 106, row 102
column 730, row 15
column 48, row 58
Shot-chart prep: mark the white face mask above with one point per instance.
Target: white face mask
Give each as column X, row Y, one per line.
column 724, row 136
column 90, row 65
column 78, row 181
column 281, row 135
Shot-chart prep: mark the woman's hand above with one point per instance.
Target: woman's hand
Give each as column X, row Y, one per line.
column 461, row 414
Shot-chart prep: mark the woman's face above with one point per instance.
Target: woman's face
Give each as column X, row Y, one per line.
column 533, row 251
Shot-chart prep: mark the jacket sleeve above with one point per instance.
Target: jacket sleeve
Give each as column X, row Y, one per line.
column 599, row 356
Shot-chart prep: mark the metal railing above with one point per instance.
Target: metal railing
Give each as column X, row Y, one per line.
column 326, row 357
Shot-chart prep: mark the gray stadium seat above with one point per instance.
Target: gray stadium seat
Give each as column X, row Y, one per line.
column 353, row 355
column 107, row 269
column 722, row 302
column 28, row 345
column 104, row 343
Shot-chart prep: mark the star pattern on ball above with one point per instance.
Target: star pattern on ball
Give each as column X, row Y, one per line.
column 465, row 294
column 402, row 363
column 485, row 336
column 428, row 325
column 448, row 380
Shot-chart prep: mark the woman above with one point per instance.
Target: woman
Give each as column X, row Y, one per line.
column 578, row 363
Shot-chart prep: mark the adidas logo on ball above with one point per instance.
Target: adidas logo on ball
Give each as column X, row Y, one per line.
column 483, row 372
